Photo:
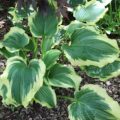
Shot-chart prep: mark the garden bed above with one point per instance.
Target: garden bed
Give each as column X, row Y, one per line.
column 36, row 111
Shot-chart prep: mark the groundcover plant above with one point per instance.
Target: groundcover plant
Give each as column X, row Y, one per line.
column 33, row 69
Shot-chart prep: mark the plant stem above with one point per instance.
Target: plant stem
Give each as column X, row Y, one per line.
column 42, row 50
column 24, row 54
column 67, row 98
column 35, row 42
column 110, row 13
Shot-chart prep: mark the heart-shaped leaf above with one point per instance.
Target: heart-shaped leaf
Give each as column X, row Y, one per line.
column 91, row 12
column 43, row 23
column 15, row 39
column 87, row 47
column 93, row 103
column 21, row 80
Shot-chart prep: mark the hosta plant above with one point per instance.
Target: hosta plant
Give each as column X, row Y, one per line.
column 34, row 68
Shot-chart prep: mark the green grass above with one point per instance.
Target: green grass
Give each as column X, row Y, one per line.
column 111, row 22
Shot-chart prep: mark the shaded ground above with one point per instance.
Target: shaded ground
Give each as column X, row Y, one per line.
column 112, row 87
column 37, row 112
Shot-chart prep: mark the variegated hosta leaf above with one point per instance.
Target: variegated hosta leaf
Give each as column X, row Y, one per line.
column 46, row 96
column 15, row 39
column 89, row 48
column 91, row 12
column 73, row 26
column 63, row 76
column 20, row 81
column 47, row 44
column 106, row 72
column 7, row 54
column 51, row 57
column 43, row 23
column 93, row 103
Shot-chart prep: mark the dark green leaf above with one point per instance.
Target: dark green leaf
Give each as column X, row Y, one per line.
column 51, row 57
column 93, row 103
column 47, row 44
column 73, row 26
column 87, row 47
column 91, row 12
column 63, row 76
column 22, row 80
column 43, row 24
column 15, row 39
column 46, row 96
column 106, row 72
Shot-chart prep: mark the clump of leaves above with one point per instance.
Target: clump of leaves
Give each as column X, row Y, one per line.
column 29, row 77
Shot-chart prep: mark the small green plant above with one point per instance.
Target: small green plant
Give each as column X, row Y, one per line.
column 111, row 22
column 33, row 69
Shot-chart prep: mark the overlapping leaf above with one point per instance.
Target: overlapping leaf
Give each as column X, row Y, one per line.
column 20, row 81
column 93, row 103
column 46, row 96
column 91, row 12
column 47, row 44
column 87, row 47
column 51, row 57
column 50, row 42
column 73, row 26
column 6, row 53
column 15, row 39
column 43, row 23
column 63, row 76
column 106, row 72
